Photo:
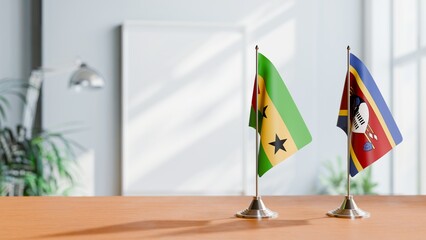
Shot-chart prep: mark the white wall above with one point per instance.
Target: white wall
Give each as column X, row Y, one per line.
column 399, row 77
column 305, row 39
column 15, row 48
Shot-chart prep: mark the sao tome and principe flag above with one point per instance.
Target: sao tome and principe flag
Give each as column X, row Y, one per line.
column 281, row 127
column 373, row 129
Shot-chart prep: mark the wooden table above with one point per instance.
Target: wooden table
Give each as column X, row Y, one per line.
column 301, row 217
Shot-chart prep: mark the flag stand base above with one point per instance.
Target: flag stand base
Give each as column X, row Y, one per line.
column 349, row 209
column 257, row 209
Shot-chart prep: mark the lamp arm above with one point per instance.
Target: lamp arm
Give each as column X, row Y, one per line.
column 33, row 93
column 48, row 71
column 84, row 76
column 31, row 100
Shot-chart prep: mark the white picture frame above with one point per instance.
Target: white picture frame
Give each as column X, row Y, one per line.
column 184, row 110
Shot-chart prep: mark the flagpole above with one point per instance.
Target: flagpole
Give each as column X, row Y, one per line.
column 348, row 129
column 257, row 208
column 257, row 126
column 348, row 209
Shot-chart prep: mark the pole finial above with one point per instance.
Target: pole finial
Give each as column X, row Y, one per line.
column 349, row 48
column 257, row 47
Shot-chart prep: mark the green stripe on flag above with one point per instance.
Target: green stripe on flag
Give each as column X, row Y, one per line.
column 264, row 163
column 252, row 120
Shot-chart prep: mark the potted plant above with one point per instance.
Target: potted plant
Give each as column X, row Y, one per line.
column 333, row 180
column 34, row 165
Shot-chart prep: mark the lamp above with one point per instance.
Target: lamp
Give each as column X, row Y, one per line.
column 86, row 77
column 82, row 76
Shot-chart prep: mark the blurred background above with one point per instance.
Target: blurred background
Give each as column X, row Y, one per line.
column 172, row 116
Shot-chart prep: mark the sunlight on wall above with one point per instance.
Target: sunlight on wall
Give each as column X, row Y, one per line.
column 423, row 24
column 208, row 50
column 265, row 13
column 406, row 115
column 398, row 60
column 405, row 22
column 187, row 95
column 280, row 43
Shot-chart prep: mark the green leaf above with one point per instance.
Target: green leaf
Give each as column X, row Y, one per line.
column 5, row 101
column 48, row 156
column 30, row 180
column 2, row 113
column 333, row 180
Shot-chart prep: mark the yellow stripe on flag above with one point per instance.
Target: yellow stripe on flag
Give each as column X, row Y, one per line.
column 273, row 125
column 355, row 160
column 343, row 113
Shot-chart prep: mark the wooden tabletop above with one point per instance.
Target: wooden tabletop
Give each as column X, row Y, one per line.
column 300, row 217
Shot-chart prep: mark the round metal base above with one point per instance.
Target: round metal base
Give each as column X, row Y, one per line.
column 349, row 209
column 257, row 209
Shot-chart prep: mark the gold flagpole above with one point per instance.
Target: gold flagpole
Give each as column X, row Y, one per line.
column 257, row 208
column 348, row 209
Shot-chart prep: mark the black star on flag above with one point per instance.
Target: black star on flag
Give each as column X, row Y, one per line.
column 264, row 111
column 278, row 144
